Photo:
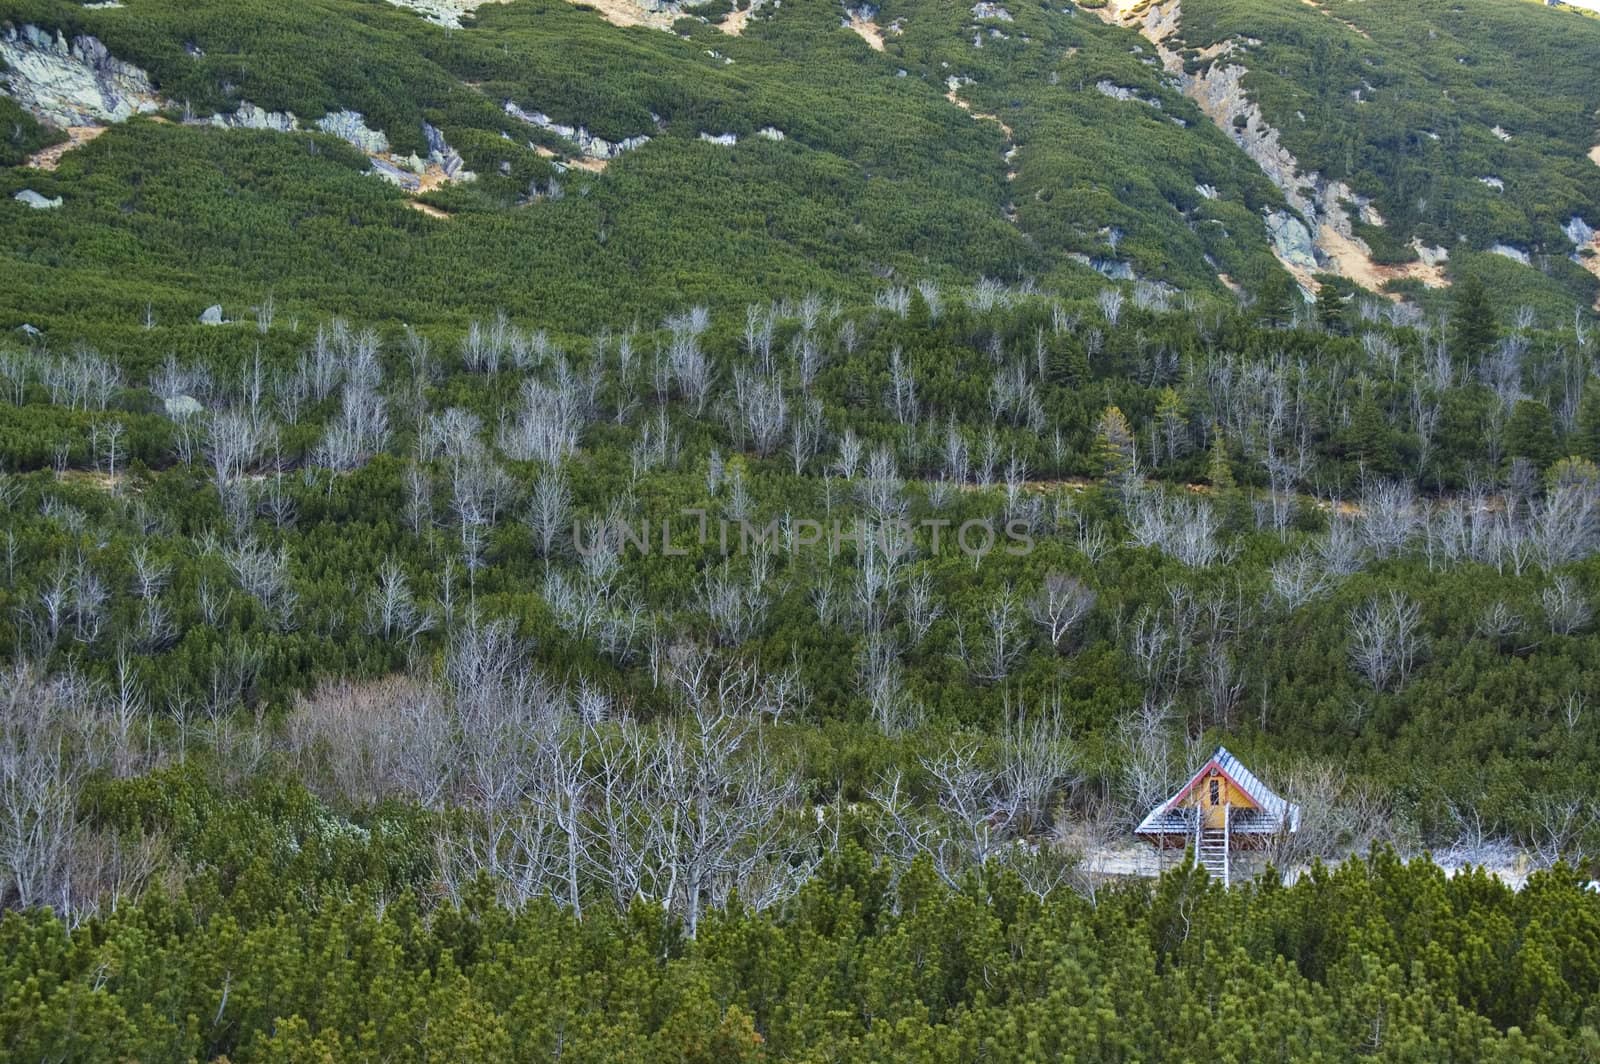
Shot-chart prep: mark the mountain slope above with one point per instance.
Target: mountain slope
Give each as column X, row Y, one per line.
column 708, row 154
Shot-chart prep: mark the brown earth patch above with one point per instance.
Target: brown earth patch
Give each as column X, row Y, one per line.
column 77, row 137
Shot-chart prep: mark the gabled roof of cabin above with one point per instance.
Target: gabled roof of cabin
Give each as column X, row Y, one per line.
column 1271, row 813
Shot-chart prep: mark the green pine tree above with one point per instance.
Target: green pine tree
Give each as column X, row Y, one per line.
column 1531, row 434
column 1371, row 439
column 1069, row 364
column 1114, row 445
column 1219, row 466
column 1473, row 329
column 1330, row 310
column 1586, row 434
column 1274, row 303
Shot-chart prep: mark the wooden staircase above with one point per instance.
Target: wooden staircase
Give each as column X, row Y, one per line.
column 1211, row 849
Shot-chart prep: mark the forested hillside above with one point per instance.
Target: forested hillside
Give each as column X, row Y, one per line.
column 538, row 531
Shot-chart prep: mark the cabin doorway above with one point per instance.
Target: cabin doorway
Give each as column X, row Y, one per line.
column 1214, row 802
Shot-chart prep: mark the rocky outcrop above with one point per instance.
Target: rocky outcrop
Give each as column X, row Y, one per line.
column 72, row 83
column 29, row 198
column 1580, row 232
column 351, row 127
column 1292, row 242
column 248, row 116
column 589, row 145
column 1319, row 234
column 403, row 177
column 1122, row 92
column 1515, row 254
column 726, row 140
column 445, row 13
column 985, row 9
column 442, row 155
column 770, row 133
column 1430, row 256
column 862, row 21
column 212, row 315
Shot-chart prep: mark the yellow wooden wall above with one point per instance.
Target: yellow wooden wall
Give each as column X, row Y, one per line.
column 1227, row 794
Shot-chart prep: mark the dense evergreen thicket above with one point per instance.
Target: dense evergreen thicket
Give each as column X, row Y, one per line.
column 1382, row 960
column 735, row 602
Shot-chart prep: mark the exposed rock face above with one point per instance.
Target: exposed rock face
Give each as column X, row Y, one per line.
column 588, row 144
column 770, row 132
column 726, row 140
column 444, row 12
column 1494, row 183
column 1513, row 253
column 986, row 9
column 1292, row 241
column 76, row 83
column 1115, row 269
column 1580, row 232
column 1122, row 92
column 249, row 116
column 397, row 175
column 349, row 126
column 212, row 315
column 1430, row 256
column 39, row 203
column 1322, row 237
column 445, row 158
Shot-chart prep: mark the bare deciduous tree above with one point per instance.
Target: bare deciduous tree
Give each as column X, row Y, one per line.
column 1060, row 605
column 1385, row 639
column 1566, row 607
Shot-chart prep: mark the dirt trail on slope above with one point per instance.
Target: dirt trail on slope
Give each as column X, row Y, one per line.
column 867, row 30
column 627, row 13
column 979, row 115
column 77, row 137
column 1008, row 153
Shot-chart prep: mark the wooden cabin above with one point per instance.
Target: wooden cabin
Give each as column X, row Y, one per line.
column 1222, row 808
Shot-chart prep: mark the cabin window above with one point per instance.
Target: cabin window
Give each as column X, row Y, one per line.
column 1215, row 789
